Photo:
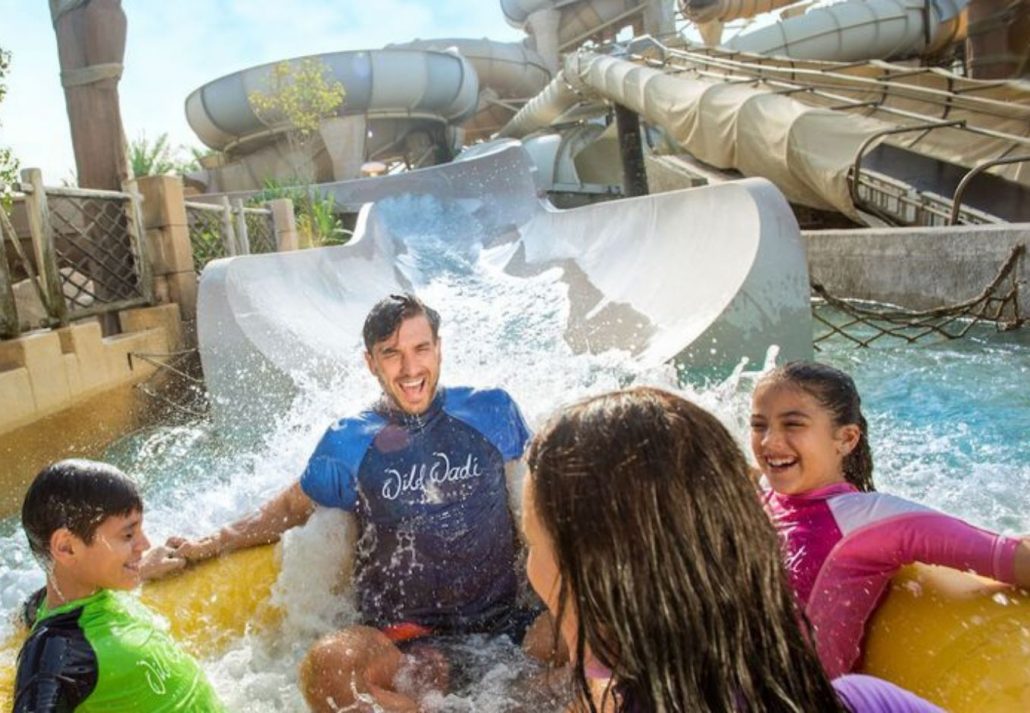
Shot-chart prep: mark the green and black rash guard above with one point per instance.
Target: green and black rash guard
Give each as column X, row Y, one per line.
column 106, row 652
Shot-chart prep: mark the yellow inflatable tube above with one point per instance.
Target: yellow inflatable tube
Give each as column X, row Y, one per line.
column 207, row 607
column 958, row 640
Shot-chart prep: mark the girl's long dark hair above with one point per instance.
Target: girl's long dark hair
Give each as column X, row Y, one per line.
column 668, row 562
column 836, row 392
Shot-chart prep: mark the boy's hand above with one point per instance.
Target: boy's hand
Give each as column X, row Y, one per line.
column 160, row 562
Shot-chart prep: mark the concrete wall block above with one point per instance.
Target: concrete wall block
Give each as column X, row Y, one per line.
column 171, row 249
column 74, row 375
column 163, row 202
column 182, row 288
column 40, row 354
column 120, row 366
column 156, row 251
column 85, row 341
column 164, row 318
column 16, row 396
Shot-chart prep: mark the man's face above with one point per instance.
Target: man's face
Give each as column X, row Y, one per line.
column 407, row 364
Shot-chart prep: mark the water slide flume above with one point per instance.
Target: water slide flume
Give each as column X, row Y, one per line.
column 703, row 277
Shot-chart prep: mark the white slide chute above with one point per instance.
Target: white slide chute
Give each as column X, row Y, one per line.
column 703, row 277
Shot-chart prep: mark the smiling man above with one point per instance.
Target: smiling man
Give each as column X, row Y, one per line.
column 424, row 472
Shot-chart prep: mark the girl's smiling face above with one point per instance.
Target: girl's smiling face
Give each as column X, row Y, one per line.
column 795, row 442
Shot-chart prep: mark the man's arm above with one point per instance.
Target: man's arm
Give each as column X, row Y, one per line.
column 288, row 509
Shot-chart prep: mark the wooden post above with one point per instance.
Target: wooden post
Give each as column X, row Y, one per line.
column 9, row 326
column 91, row 49
column 228, row 234
column 137, row 234
column 285, row 223
column 242, row 237
column 43, row 245
column 634, row 172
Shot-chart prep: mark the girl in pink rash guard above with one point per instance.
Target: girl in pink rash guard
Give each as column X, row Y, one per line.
column 842, row 541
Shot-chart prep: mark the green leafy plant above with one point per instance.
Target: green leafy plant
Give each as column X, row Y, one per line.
column 157, row 158
column 8, row 164
column 318, row 222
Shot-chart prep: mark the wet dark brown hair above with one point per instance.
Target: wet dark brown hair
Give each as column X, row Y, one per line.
column 671, row 567
column 386, row 316
column 836, row 392
column 76, row 494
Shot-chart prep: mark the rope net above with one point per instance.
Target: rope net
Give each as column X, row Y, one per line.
column 863, row 323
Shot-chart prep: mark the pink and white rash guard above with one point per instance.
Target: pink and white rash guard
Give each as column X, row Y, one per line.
column 843, row 546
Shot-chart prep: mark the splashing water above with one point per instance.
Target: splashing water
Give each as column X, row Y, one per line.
column 949, row 427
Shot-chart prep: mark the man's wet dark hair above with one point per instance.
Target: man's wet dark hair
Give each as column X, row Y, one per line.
column 387, row 315
column 76, row 494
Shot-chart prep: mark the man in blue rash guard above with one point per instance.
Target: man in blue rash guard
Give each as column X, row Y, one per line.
column 424, row 472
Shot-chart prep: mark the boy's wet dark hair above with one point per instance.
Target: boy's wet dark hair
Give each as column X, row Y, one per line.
column 76, row 494
column 384, row 319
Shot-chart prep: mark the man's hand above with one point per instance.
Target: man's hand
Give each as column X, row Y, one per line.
column 195, row 550
column 160, row 562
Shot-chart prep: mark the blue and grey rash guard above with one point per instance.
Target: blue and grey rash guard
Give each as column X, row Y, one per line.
column 437, row 543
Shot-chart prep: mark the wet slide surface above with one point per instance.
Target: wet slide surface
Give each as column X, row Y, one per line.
column 699, row 278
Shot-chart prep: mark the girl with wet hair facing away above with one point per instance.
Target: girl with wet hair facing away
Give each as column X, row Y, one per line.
column 843, row 542
column 647, row 544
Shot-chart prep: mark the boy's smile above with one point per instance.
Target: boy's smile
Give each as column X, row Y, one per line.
column 112, row 560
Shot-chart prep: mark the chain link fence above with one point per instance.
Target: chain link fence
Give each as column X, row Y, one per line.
column 260, row 230
column 225, row 229
column 85, row 257
column 95, row 249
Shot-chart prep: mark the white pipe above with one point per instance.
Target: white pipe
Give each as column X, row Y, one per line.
column 541, row 111
column 860, row 30
column 725, row 10
column 543, row 25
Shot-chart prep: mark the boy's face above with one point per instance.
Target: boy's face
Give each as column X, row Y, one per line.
column 112, row 559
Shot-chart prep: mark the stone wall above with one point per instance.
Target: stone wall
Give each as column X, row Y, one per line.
column 44, row 372
column 917, row 268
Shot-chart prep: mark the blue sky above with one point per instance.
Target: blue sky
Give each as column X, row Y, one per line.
column 174, row 47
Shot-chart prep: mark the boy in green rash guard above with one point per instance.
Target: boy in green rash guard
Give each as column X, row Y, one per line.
column 93, row 646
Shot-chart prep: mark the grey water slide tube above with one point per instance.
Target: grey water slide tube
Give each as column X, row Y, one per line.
column 388, row 83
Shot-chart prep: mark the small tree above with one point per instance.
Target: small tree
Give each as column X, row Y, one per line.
column 156, row 158
column 8, row 164
column 301, row 94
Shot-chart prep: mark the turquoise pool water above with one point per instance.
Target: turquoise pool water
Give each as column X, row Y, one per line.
column 949, row 421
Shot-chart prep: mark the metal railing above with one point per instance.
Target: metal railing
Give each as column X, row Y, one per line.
column 228, row 228
column 88, row 254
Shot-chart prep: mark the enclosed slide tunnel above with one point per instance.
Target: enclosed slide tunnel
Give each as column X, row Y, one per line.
column 845, row 31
